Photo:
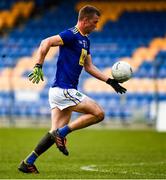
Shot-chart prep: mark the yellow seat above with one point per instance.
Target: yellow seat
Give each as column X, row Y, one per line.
column 21, row 9
column 28, row 7
column 2, row 22
column 3, row 18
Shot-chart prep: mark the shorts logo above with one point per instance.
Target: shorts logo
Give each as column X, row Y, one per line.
column 78, row 94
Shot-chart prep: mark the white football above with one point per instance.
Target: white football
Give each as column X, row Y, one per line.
column 121, row 71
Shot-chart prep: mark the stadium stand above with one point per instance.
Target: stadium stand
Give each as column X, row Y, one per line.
column 128, row 31
column 14, row 11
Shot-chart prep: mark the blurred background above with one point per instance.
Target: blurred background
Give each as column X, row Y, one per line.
column 131, row 31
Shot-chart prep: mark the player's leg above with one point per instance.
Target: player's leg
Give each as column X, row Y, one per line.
column 58, row 122
column 59, row 119
column 93, row 114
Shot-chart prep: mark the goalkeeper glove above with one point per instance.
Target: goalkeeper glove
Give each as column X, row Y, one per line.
column 115, row 85
column 37, row 74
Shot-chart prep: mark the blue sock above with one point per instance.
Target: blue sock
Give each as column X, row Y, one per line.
column 31, row 158
column 64, row 131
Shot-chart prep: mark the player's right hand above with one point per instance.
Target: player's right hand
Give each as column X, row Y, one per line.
column 37, row 74
column 116, row 86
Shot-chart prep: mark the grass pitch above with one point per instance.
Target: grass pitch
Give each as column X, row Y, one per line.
column 94, row 154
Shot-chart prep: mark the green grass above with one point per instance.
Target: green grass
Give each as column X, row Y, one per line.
column 107, row 154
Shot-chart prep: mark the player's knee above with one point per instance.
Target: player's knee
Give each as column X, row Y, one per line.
column 100, row 116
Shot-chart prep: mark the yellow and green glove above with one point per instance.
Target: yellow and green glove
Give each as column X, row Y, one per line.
column 37, row 74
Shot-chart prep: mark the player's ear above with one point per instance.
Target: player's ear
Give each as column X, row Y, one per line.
column 85, row 20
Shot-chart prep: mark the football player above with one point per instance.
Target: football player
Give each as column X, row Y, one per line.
column 64, row 98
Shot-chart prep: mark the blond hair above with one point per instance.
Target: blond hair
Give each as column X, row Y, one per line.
column 88, row 11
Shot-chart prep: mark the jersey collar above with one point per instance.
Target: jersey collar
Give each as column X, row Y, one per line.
column 81, row 32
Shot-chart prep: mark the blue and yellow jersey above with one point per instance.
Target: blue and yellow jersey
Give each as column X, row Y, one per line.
column 71, row 58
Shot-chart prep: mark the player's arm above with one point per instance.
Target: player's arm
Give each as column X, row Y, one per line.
column 37, row 74
column 94, row 71
column 45, row 45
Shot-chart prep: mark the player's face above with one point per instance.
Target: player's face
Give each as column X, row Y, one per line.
column 91, row 24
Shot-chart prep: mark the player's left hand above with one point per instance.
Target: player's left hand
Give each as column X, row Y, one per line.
column 116, row 86
column 37, row 74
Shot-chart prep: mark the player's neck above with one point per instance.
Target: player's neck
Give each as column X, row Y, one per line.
column 80, row 29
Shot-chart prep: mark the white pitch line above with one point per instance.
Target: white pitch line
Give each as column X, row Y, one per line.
column 97, row 168
column 92, row 168
column 89, row 168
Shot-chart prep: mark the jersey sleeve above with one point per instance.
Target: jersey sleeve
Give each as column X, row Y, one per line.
column 67, row 36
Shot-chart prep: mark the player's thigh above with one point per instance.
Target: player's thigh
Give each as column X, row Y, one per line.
column 89, row 106
column 59, row 117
